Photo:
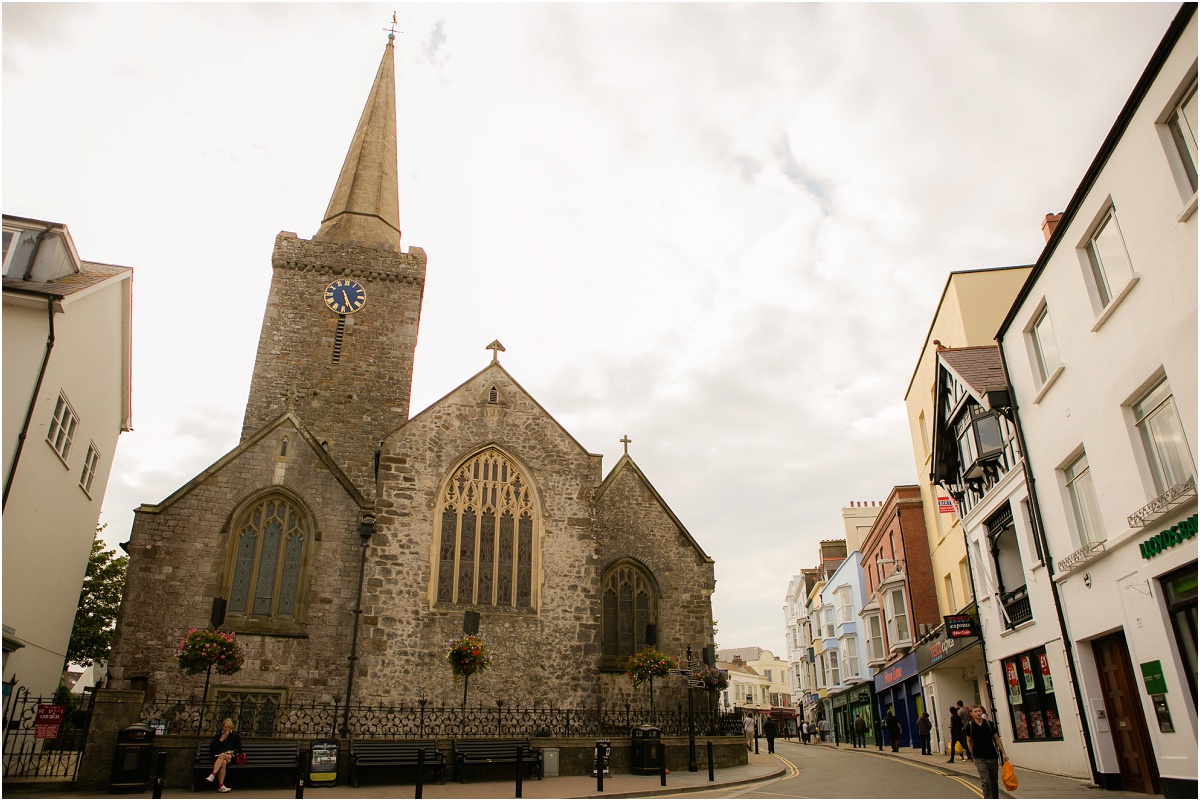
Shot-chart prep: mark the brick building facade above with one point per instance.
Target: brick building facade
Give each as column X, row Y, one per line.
column 480, row 503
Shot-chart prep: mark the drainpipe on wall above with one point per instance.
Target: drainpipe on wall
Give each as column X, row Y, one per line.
column 1040, row 533
column 37, row 388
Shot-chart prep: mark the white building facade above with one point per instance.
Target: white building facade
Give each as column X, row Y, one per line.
column 1100, row 351
column 66, row 400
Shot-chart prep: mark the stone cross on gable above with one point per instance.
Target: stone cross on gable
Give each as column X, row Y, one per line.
column 292, row 395
column 496, row 348
column 625, row 440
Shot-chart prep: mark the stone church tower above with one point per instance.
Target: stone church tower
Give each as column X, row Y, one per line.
column 481, row 503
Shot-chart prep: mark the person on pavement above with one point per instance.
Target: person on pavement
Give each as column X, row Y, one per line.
column 225, row 744
column 892, row 724
column 924, row 730
column 860, row 731
column 987, row 750
column 769, row 731
column 958, row 735
column 748, row 728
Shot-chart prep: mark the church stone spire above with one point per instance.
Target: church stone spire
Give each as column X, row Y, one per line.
column 365, row 207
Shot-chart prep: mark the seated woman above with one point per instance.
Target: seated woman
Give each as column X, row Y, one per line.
column 225, row 744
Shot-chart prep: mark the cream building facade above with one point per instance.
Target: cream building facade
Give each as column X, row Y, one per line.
column 67, row 339
column 1108, row 409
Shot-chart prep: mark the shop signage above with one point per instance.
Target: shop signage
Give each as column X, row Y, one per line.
column 947, row 644
column 1152, row 675
column 945, row 505
column 960, row 626
column 896, row 673
column 1181, row 531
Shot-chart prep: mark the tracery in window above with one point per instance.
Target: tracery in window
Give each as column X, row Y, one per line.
column 486, row 543
column 270, row 539
column 629, row 604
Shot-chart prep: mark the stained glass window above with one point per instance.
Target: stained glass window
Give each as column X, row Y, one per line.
column 487, row 544
column 270, row 539
column 629, row 608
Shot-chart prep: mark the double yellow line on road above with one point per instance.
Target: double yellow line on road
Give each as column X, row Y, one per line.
column 969, row 785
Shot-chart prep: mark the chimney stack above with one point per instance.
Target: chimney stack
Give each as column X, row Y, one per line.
column 1049, row 223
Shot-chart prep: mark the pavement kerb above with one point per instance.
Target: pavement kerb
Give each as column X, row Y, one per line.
column 713, row 785
column 895, row 754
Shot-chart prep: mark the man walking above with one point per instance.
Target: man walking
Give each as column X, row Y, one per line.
column 748, row 728
column 769, row 731
column 988, row 751
column 892, row 724
column 860, row 731
column 964, row 717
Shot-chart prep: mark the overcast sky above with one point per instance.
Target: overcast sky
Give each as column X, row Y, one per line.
column 719, row 229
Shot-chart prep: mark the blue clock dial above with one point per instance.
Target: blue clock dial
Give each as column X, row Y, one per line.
column 345, row 296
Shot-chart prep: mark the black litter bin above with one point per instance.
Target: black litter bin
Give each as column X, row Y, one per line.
column 133, row 760
column 647, row 756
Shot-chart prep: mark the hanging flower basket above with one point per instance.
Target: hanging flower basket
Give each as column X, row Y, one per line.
column 714, row 680
column 647, row 664
column 468, row 655
column 202, row 649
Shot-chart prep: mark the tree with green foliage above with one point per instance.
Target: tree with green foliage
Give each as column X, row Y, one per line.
column 96, row 617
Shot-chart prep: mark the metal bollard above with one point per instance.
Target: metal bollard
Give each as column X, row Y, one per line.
column 662, row 764
column 305, row 756
column 709, row 748
column 756, row 741
column 520, row 765
column 420, row 773
column 160, row 774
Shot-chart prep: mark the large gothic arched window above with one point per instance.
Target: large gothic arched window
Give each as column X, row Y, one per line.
column 629, row 604
column 271, row 538
column 486, row 535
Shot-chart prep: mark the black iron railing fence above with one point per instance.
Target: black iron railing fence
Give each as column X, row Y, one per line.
column 34, row 749
column 266, row 718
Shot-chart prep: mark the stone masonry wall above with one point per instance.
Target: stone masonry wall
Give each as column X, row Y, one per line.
column 355, row 403
column 630, row 522
column 540, row 658
column 177, row 561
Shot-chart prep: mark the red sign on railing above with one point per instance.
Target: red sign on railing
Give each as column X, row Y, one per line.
column 49, row 718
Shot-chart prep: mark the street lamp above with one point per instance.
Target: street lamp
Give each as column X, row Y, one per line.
column 366, row 527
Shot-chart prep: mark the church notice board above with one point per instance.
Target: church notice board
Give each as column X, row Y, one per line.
column 323, row 767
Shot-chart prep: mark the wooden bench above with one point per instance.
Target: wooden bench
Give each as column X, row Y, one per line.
column 395, row 754
column 495, row 752
column 263, row 755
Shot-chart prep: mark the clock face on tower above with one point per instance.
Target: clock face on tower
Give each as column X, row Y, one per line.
column 345, row 296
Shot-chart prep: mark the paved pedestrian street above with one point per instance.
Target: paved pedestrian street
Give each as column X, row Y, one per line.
column 794, row 771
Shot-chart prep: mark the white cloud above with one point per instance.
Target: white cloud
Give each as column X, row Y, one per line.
column 720, row 229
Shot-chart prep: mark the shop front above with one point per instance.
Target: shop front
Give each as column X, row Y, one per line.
column 858, row 700
column 951, row 667
column 898, row 687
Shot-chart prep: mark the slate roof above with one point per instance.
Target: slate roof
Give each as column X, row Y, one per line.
column 979, row 368
column 90, row 274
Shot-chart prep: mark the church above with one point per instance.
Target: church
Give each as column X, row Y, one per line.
column 346, row 542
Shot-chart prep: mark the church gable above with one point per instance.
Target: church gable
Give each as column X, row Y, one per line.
column 657, row 581
column 269, row 531
column 485, row 505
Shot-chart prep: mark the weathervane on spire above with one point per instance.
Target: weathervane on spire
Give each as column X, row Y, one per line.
column 392, row 31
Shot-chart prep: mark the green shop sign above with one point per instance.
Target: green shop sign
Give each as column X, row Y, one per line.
column 1152, row 675
column 1183, row 530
